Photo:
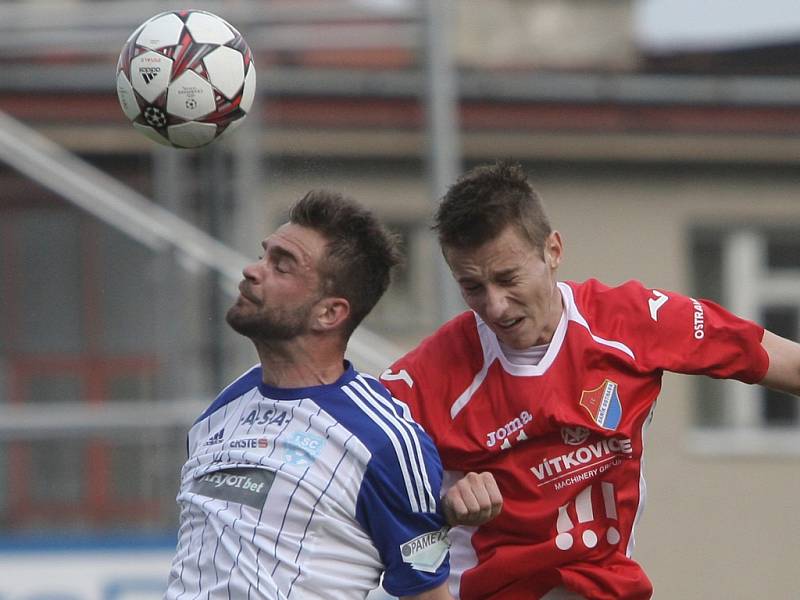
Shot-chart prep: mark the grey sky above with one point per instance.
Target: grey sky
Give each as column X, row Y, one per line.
column 673, row 24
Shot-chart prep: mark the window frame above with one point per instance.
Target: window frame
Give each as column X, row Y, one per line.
column 749, row 286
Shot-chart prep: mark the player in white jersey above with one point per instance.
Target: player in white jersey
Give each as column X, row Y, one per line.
column 305, row 479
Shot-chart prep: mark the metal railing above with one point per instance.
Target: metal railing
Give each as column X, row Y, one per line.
column 92, row 190
column 31, row 29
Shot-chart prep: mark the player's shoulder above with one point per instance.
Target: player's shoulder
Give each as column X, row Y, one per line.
column 377, row 419
column 401, row 454
column 595, row 297
column 453, row 341
column 596, row 289
column 237, row 388
column 625, row 309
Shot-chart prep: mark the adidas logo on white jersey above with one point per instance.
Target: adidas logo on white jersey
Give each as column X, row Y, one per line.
column 216, row 438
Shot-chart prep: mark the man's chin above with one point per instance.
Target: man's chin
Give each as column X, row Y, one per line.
column 257, row 328
column 518, row 340
column 237, row 321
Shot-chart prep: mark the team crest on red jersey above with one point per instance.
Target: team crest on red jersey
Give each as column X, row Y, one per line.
column 603, row 405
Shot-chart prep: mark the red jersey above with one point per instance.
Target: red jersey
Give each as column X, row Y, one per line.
column 563, row 438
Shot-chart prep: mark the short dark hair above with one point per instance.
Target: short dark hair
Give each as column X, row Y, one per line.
column 361, row 252
column 486, row 200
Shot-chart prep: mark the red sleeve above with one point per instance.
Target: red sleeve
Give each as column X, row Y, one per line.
column 672, row 332
column 432, row 375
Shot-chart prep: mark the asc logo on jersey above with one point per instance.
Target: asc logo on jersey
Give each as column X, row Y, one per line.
column 303, row 448
column 603, row 405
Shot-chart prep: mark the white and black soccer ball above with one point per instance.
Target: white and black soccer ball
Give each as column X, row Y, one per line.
column 186, row 77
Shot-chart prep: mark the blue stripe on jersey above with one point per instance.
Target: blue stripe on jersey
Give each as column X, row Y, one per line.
column 411, row 492
column 245, row 382
column 404, row 436
column 384, row 398
column 403, row 439
column 397, row 500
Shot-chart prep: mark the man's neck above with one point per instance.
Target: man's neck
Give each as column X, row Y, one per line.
column 557, row 312
column 299, row 363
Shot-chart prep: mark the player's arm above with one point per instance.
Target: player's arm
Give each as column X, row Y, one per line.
column 784, row 363
column 473, row 500
column 438, row 593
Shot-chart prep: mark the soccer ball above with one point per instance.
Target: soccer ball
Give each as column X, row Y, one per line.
column 185, row 77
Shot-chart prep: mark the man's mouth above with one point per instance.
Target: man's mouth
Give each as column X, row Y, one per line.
column 508, row 323
column 243, row 292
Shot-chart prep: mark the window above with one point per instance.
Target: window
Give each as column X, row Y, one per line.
column 77, row 326
column 754, row 272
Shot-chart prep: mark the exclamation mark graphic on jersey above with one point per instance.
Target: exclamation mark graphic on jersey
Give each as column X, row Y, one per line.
column 585, row 514
column 612, row 535
column 583, row 507
column 563, row 525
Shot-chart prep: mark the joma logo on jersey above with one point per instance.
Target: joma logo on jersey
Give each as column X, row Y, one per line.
column 655, row 303
column 401, row 375
column 503, row 433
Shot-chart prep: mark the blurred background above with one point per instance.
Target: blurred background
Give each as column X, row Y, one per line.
column 663, row 135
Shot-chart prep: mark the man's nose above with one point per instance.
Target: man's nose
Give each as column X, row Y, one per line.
column 251, row 271
column 496, row 303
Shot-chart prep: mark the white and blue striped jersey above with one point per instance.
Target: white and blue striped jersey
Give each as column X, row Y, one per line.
column 308, row 493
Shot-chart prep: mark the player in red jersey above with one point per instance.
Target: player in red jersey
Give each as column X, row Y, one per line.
column 549, row 386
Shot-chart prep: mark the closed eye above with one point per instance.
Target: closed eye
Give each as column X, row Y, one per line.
column 471, row 287
column 282, row 260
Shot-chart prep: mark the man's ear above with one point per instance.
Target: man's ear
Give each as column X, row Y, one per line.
column 330, row 313
column 553, row 250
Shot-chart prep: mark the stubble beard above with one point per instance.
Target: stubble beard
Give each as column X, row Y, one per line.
column 273, row 326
